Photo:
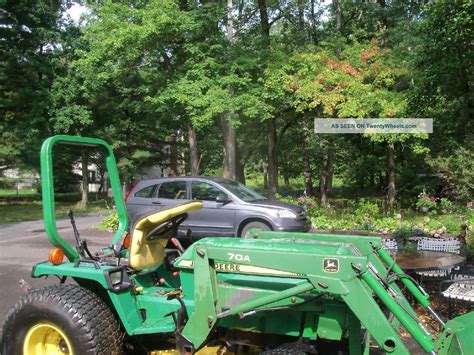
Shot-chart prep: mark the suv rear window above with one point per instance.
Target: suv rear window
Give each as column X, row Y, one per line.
column 174, row 190
column 146, row 192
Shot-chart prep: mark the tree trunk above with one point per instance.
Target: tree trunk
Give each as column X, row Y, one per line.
column 383, row 16
column 272, row 158
column 265, row 175
column 338, row 14
column 228, row 133
column 173, row 155
column 308, row 181
column 85, row 179
column 322, row 173
column 372, row 173
column 230, row 21
column 183, row 153
column 314, row 25
column 193, row 151
column 329, row 166
column 372, row 180
column 391, row 176
column 264, row 24
column 301, row 4
column 271, row 124
column 239, row 166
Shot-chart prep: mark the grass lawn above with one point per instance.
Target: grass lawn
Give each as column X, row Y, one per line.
column 14, row 212
column 21, row 192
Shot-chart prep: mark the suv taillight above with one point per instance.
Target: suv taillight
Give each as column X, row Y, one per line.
column 129, row 192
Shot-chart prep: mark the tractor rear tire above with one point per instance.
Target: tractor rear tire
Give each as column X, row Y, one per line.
column 61, row 317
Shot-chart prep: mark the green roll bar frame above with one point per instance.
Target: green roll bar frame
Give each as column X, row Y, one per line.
column 47, row 188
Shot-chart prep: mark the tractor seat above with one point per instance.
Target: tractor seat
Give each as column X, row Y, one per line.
column 151, row 232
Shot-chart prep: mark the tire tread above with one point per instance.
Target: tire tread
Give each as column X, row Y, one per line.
column 97, row 329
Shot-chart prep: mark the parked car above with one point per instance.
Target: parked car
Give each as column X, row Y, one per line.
column 230, row 208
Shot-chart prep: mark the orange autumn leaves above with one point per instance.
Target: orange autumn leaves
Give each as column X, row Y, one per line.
column 360, row 83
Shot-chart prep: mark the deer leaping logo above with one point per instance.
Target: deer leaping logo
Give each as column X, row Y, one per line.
column 331, row 265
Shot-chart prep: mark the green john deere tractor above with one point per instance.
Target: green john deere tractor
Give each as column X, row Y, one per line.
column 273, row 293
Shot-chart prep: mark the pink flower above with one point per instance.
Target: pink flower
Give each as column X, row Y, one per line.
column 311, row 204
column 423, row 195
column 432, row 198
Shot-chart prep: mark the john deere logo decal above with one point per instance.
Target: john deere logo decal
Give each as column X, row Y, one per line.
column 331, row 265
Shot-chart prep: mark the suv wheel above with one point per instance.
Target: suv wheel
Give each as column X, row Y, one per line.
column 253, row 225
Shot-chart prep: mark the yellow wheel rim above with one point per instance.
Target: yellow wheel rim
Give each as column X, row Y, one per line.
column 46, row 339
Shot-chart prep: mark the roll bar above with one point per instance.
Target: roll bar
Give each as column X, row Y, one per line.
column 47, row 188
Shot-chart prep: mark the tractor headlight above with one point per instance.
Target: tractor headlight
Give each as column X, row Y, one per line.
column 286, row 214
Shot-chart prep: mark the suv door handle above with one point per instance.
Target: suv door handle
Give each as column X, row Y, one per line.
column 156, row 202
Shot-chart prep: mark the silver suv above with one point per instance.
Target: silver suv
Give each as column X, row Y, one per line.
column 230, row 208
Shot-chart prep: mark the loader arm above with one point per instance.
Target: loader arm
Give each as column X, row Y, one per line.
column 362, row 281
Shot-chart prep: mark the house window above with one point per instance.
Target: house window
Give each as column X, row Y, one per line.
column 92, row 176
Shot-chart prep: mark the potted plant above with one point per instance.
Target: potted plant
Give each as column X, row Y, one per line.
column 425, row 203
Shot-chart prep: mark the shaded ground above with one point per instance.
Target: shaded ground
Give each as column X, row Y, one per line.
column 440, row 305
column 24, row 244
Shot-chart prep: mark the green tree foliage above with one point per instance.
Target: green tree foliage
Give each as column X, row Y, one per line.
column 441, row 53
column 30, row 33
column 457, row 174
column 136, row 72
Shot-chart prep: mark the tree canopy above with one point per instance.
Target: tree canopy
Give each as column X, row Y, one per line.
column 241, row 82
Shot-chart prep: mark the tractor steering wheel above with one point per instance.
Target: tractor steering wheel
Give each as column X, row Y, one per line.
column 163, row 230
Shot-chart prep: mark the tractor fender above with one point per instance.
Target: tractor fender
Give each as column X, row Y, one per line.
column 121, row 300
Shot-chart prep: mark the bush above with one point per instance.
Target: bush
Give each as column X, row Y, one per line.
column 287, row 199
column 111, row 222
column 445, row 205
column 366, row 213
column 308, row 203
column 457, row 174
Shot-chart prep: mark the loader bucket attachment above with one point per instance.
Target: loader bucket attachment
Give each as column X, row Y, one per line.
column 457, row 337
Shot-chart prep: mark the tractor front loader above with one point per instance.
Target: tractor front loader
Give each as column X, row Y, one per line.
column 272, row 293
